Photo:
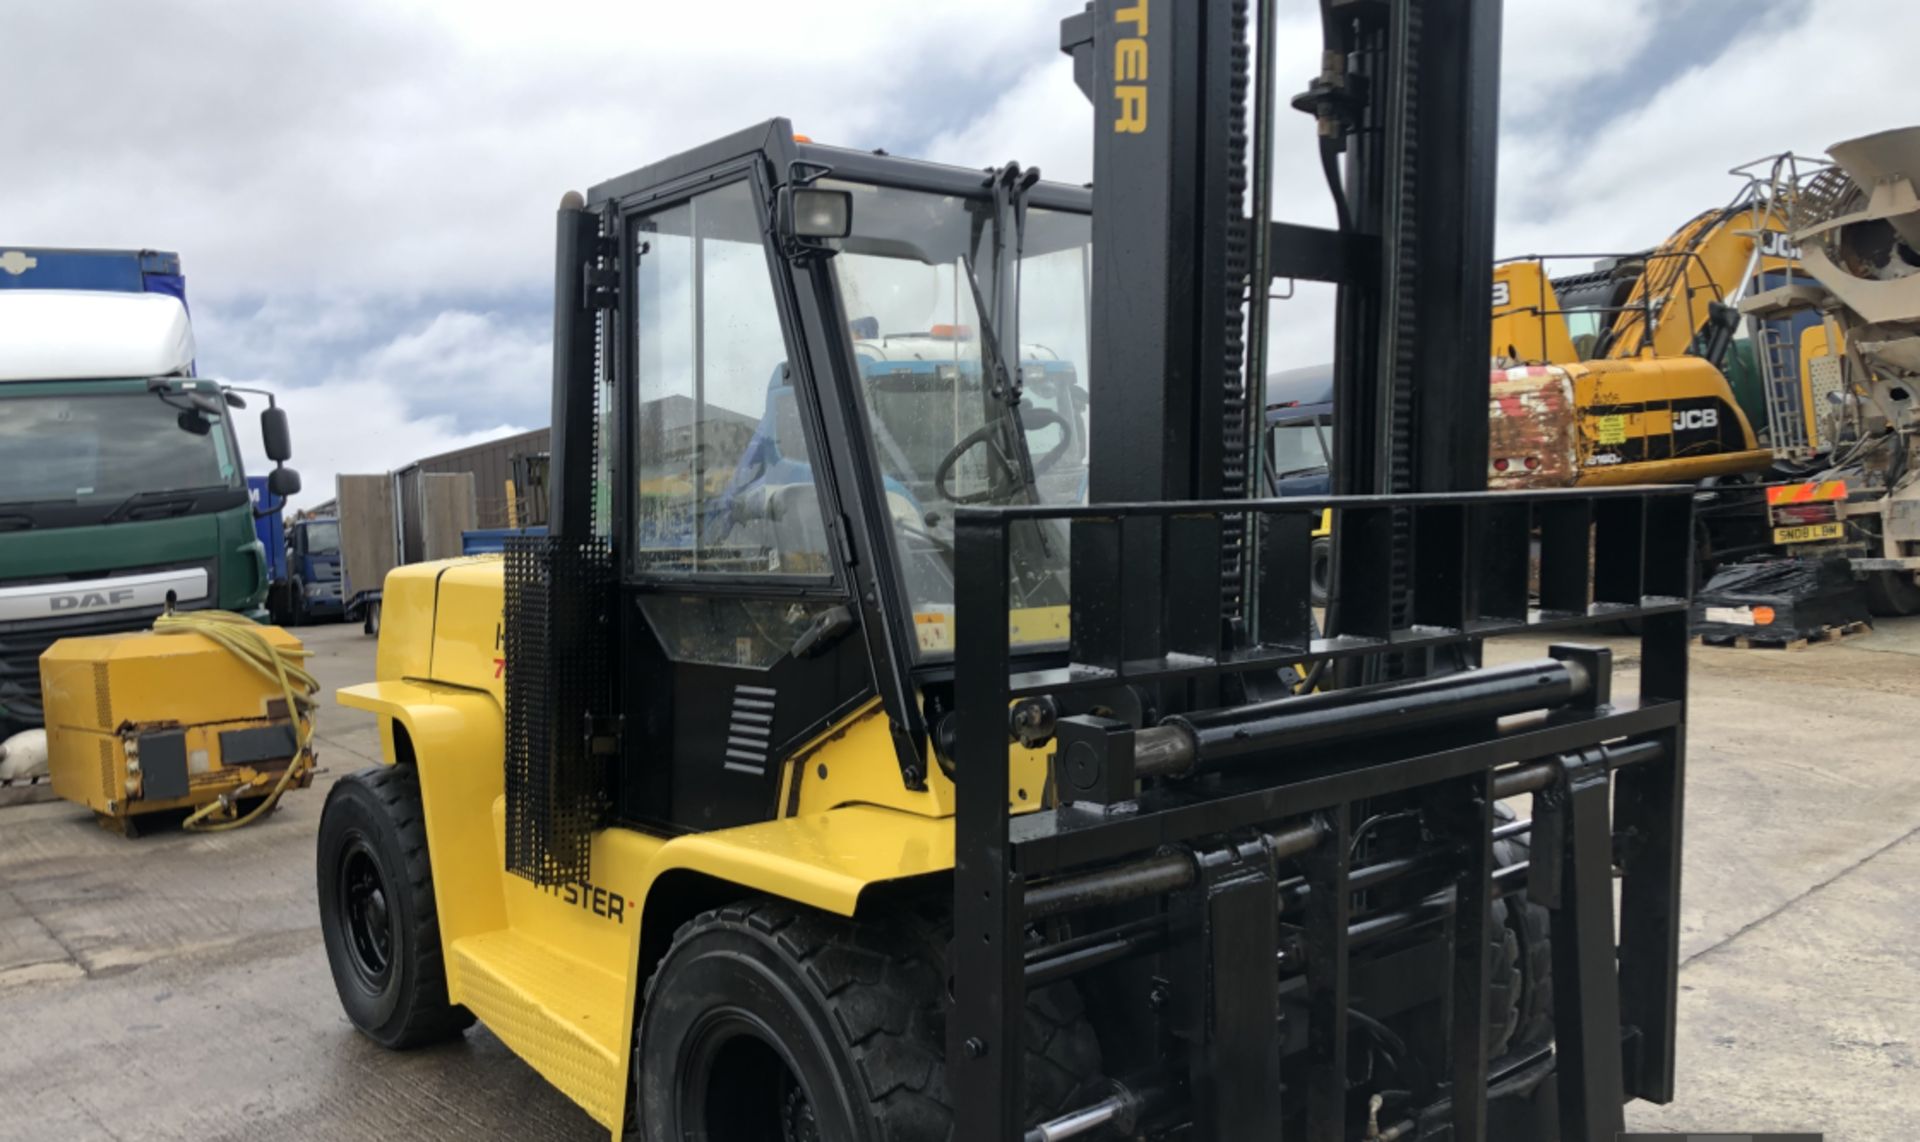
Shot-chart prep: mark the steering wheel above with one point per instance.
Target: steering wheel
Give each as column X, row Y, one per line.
column 1041, row 418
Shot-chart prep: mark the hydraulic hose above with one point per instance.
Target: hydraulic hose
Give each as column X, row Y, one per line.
column 246, row 640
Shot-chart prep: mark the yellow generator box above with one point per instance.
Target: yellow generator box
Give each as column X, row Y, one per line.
column 158, row 720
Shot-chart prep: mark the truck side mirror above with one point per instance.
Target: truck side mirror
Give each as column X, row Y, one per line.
column 283, row 482
column 274, row 433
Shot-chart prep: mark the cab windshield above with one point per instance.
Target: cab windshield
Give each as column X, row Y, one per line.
column 914, row 277
column 89, row 455
column 1584, row 327
column 1298, row 447
column 323, row 538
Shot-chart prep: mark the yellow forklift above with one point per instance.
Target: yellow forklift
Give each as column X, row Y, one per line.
column 893, row 739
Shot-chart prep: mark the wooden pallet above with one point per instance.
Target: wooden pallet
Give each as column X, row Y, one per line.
column 1763, row 642
column 26, row 790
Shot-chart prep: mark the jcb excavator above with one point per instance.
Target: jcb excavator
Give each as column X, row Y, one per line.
column 892, row 741
column 1666, row 388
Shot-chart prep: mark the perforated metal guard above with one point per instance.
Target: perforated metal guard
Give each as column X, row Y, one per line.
column 559, row 678
column 1828, row 380
column 1829, row 194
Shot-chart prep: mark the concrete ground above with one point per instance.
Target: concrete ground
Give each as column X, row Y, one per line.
column 175, row 987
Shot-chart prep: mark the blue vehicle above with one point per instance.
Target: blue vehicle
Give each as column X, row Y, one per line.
column 303, row 560
column 1300, row 431
column 314, row 579
column 493, row 540
column 1299, row 450
column 94, row 271
column 269, row 526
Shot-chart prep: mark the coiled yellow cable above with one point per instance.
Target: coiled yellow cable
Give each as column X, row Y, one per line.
column 248, row 641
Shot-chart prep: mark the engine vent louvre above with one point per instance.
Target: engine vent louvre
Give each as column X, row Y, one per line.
column 749, row 730
column 102, row 696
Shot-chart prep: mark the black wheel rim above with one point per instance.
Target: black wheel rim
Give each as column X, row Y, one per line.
column 736, row 1083
column 797, row 1120
column 366, row 914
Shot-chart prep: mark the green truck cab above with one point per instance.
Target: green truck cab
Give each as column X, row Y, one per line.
column 122, row 490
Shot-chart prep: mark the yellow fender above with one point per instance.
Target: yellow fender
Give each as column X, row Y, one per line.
column 823, row 860
column 455, row 738
column 591, row 942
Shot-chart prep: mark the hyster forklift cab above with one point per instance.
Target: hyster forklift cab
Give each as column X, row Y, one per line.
column 896, row 736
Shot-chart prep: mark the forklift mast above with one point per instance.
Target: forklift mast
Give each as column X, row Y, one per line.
column 1180, row 602
column 1410, row 92
column 1259, row 887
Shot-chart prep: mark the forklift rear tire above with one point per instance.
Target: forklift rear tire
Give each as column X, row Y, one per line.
column 1505, row 984
column 1320, row 570
column 767, row 1021
column 1892, row 593
column 377, row 911
column 1529, row 924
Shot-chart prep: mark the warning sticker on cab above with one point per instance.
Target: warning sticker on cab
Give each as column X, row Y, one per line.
column 1610, row 429
column 934, row 629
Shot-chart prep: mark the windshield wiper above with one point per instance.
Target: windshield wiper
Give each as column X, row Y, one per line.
column 1005, row 388
column 1006, row 384
column 1010, row 188
column 158, row 504
column 18, row 515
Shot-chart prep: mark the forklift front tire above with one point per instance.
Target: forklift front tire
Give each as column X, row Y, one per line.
column 769, row 1020
column 1529, row 927
column 377, row 911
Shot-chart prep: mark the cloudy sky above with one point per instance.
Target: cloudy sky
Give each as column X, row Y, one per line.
column 363, row 192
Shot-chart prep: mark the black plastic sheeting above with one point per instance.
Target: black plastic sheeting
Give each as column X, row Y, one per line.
column 1780, row 599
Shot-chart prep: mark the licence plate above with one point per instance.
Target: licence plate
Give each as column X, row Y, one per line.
column 1809, row 533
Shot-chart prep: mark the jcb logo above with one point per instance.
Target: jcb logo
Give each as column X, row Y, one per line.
column 90, row 599
column 1130, row 70
column 1774, row 244
column 1693, row 419
column 1502, row 294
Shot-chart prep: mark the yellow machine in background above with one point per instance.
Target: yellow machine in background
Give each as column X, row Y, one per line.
column 1650, row 341
column 208, row 714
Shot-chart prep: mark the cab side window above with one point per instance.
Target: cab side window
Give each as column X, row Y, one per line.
column 724, row 480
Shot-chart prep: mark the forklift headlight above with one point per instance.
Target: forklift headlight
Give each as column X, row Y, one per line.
column 818, row 214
